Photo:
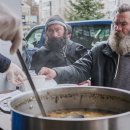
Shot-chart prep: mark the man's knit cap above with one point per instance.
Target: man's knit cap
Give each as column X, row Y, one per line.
column 56, row 19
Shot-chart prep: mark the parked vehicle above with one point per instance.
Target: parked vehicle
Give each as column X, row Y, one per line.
column 86, row 32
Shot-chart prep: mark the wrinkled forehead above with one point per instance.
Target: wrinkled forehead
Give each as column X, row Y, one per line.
column 54, row 26
column 122, row 17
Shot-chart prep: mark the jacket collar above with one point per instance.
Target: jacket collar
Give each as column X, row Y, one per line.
column 108, row 51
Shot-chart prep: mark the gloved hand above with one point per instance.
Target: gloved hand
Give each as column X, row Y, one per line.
column 15, row 75
column 10, row 27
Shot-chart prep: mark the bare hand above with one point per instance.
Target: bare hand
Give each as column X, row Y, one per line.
column 49, row 73
column 10, row 27
column 85, row 83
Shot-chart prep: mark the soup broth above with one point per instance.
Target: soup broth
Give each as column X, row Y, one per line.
column 85, row 113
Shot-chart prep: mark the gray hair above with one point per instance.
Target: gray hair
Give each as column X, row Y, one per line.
column 123, row 8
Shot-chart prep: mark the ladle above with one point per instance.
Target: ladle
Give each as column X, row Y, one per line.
column 74, row 116
column 31, row 83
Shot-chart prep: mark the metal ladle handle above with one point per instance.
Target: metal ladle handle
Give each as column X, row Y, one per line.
column 31, row 83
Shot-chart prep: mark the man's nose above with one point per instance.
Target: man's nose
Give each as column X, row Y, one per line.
column 118, row 28
column 54, row 34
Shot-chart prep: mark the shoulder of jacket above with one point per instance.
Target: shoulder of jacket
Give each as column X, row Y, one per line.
column 40, row 51
column 100, row 45
column 75, row 45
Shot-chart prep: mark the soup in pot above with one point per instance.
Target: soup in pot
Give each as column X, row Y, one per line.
column 86, row 113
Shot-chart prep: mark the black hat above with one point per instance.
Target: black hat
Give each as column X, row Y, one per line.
column 56, row 19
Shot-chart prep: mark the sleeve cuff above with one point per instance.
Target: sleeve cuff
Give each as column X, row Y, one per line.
column 4, row 63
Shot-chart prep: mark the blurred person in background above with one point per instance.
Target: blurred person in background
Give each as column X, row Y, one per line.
column 58, row 50
column 69, row 29
column 10, row 30
column 108, row 63
column 69, row 34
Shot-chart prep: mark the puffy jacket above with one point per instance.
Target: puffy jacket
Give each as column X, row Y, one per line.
column 48, row 58
column 99, row 64
column 4, row 63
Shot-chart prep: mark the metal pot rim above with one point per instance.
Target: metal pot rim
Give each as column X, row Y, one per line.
column 67, row 119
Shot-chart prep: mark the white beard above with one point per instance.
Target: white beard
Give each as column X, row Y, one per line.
column 119, row 43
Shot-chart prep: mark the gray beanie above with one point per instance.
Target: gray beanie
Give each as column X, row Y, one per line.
column 56, row 19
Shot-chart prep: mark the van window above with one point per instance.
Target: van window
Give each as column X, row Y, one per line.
column 34, row 37
column 90, row 34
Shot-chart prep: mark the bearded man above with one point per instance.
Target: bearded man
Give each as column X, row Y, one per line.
column 58, row 49
column 108, row 63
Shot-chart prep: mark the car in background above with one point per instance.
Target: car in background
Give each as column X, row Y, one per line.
column 85, row 32
column 31, row 43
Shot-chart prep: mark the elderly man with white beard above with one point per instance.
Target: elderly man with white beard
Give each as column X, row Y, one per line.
column 108, row 63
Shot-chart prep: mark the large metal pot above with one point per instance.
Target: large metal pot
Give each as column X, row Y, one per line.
column 24, row 109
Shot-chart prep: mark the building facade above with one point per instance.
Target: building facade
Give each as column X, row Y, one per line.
column 30, row 14
column 48, row 8
column 39, row 13
column 111, row 5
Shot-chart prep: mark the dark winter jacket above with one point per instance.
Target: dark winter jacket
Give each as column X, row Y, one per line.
column 4, row 63
column 48, row 58
column 99, row 63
